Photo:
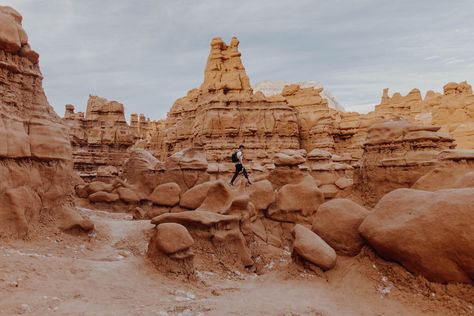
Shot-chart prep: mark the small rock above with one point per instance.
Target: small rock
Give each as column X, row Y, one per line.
column 24, row 308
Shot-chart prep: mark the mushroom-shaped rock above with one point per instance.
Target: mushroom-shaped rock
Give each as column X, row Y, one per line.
column 223, row 231
column 312, row 248
column 170, row 249
column 166, row 194
column 173, row 237
column 429, row 233
column 337, row 222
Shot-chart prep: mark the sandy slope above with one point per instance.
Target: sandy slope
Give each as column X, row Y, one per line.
column 107, row 274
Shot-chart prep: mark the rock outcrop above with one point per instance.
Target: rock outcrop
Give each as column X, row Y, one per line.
column 429, row 233
column 337, row 223
column 310, row 248
column 101, row 137
column 396, row 154
column 35, row 153
column 170, row 249
column 224, row 112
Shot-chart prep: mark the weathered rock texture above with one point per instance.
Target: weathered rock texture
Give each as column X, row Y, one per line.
column 35, row 153
column 396, row 154
column 101, row 137
column 224, row 112
column 429, row 233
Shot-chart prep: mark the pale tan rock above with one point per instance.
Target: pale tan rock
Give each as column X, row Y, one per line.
column 296, row 202
column 193, row 198
column 127, row 195
column 103, row 196
column 173, row 237
column 101, row 137
column 166, row 194
column 343, row 183
column 35, row 153
column 337, row 223
column 397, row 153
column 429, row 233
column 262, row 194
column 312, row 248
column 222, row 231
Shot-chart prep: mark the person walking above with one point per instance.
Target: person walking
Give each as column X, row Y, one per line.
column 237, row 159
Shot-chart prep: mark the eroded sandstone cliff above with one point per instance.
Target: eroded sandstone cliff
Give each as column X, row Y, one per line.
column 35, row 153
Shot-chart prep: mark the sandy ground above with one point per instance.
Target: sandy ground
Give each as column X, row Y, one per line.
column 107, row 273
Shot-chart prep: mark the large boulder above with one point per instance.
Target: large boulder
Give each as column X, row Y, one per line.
column 429, row 233
column 297, row 202
column 173, row 237
column 170, row 249
column 193, row 198
column 262, row 194
column 337, row 222
column 312, row 248
column 166, row 194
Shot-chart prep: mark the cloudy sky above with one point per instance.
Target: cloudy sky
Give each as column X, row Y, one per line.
column 148, row 53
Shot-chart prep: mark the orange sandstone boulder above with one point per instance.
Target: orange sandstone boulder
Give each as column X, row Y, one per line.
column 173, row 237
column 166, row 194
column 337, row 222
column 262, row 194
column 312, row 248
column 429, row 233
column 297, row 202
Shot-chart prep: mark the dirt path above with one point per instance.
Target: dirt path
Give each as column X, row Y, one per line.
column 107, row 273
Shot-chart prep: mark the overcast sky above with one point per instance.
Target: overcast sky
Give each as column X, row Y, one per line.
column 148, row 53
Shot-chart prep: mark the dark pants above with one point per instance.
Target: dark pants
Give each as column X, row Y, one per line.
column 238, row 169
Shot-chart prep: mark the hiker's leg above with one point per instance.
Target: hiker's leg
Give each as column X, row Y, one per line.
column 246, row 175
column 238, row 168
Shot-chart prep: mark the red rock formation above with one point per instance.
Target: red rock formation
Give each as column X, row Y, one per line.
column 429, row 233
column 35, row 153
column 224, row 113
column 101, row 137
column 396, row 155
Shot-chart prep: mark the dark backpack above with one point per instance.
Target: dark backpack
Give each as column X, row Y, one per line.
column 234, row 157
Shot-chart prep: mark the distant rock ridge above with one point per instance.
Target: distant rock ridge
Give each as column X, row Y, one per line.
column 274, row 87
column 101, row 137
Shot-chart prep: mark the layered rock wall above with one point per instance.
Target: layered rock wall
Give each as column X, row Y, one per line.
column 35, row 153
column 101, row 137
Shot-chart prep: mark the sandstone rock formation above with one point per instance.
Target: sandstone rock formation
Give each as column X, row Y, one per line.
column 396, row 154
column 224, row 112
column 101, row 137
column 271, row 88
column 35, row 154
column 170, row 249
column 215, row 233
column 312, row 249
column 337, row 223
column 455, row 169
column 429, row 233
